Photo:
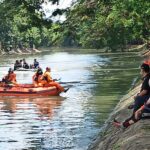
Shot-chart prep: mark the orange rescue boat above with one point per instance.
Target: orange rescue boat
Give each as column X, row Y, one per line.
column 28, row 90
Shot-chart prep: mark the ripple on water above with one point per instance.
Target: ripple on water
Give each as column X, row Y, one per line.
column 71, row 121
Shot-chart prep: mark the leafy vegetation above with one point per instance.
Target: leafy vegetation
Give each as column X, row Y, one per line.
column 90, row 24
column 22, row 21
column 111, row 23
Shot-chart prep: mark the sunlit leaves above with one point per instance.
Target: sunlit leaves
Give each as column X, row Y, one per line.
column 112, row 23
column 22, row 19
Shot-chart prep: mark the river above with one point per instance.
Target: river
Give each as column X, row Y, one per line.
column 72, row 120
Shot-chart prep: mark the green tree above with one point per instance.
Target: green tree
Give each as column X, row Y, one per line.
column 111, row 23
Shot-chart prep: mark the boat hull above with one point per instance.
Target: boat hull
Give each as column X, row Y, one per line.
column 28, row 90
column 23, row 69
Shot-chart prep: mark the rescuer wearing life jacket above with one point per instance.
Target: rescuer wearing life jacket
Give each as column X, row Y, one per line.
column 48, row 81
column 10, row 78
column 37, row 77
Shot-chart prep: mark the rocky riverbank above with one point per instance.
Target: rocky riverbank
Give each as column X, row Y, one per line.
column 135, row 137
column 131, row 48
column 20, row 51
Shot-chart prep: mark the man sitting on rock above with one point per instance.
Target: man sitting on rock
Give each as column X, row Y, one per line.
column 144, row 94
column 141, row 113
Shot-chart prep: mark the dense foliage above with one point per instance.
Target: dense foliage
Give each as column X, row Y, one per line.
column 22, row 22
column 111, row 23
column 90, row 24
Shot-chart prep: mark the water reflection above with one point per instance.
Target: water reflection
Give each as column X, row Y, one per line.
column 55, row 123
column 44, row 105
column 23, row 120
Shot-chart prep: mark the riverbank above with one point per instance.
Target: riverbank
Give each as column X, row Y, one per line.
column 21, row 52
column 135, row 137
column 131, row 49
column 85, row 106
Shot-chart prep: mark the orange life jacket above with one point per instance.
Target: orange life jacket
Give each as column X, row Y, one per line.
column 11, row 77
column 37, row 78
column 47, row 77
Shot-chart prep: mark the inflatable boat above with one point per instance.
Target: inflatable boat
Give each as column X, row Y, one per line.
column 23, row 69
column 28, row 90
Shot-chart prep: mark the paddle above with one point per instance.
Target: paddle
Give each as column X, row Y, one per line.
column 57, row 79
column 71, row 82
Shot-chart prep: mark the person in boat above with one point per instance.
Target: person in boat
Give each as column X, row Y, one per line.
column 144, row 94
column 48, row 81
column 21, row 63
column 37, row 77
column 10, row 78
column 17, row 65
column 35, row 64
column 25, row 64
column 142, row 113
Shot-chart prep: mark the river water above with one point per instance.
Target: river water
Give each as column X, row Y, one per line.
column 72, row 120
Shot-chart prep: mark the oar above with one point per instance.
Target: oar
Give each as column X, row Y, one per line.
column 57, row 79
column 71, row 82
column 67, row 86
